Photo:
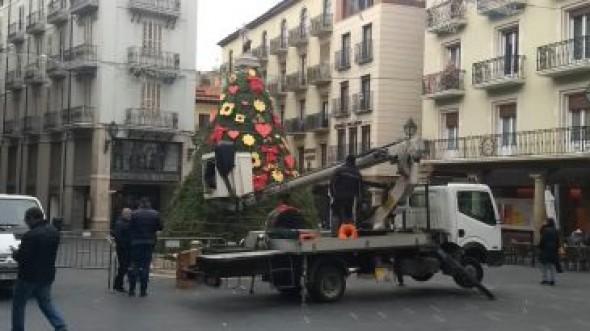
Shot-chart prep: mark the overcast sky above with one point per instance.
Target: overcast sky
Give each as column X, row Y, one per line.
column 217, row 19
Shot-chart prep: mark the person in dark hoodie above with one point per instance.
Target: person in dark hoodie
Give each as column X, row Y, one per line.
column 548, row 251
column 36, row 271
column 123, row 247
column 145, row 223
column 345, row 186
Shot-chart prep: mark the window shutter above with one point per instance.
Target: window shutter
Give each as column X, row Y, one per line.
column 508, row 110
column 578, row 102
column 452, row 120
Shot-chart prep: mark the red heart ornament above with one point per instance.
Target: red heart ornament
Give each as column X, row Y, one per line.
column 263, row 129
column 290, row 161
column 233, row 134
column 233, row 89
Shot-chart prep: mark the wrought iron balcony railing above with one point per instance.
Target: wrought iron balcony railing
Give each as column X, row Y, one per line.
column 498, row 71
column 319, row 74
column 261, row 52
column 146, row 57
column 10, row 127
column 500, row 8
column 16, row 33
column 341, row 107
column 169, row 8
column 36, row 22
column 57, row 12
column 317, row 122
column 153, row 118
column 296, row 82
column 35, row 73
column 277, row 86
column 78, row 115
column 51, row 120
column 446, row 16
column 279, row 45
column 567, row 56
column 446, row 83
column 545, row 142
column 363, row 102
column 294, row 126
column 299, row 36
column 363, row 52
column 342, row 59
column 56, row 67
column 83, row 7
column 322, row 25
column 82, row 59
column 15, row 80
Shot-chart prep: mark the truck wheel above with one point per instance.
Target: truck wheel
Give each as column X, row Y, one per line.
column 328, row 285
column 423, row 278
column 473, row 269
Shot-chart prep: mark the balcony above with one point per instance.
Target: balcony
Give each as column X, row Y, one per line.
column 261, row 53
column 279, row 46
column 16, row 33
column 36, row 23
column 342, row 59
column 319, row 75
column 30, row 124
column 82, row 59
column 500, row 8
column 146, row 161
column 165, row 8
column 555, row 142
column 56, row 68
column 51, row 120
column 153, row 64
column 338, row 153
column 277, row 87
column 319, row 123
column 151, row 118
column 500, row 72
column 363, row 52
column 295, row 126
column 35, row 73
column 15, row 80
column 444, row 85
column 296, row 82
column 298, row 37
column 341, row 107
column 564, row 58
column 83, row 7
column 57, row 12
column 363, row 103
column 446, row 17
column 322, row 25
column 10, row 127
column 78, row 116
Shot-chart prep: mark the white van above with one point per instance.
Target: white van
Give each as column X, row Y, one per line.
column 466, row 213
column 12, row 227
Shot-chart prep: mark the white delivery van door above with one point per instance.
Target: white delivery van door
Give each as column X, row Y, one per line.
column 477, row 219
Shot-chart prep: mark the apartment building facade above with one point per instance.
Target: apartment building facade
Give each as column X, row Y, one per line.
column 344, row 74
column 505, row 101
column 97, row 105
column 207, row 97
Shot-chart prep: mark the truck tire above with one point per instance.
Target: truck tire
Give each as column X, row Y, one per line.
column 422, row 278
column 328, row 284
column 473, row 268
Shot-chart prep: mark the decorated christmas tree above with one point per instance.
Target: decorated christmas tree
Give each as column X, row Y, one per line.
column 246, row 119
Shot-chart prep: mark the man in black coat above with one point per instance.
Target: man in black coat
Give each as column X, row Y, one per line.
column 123, row 247
column 548, row 251
column 345, row 185
column 144, row 224
column 36, row 271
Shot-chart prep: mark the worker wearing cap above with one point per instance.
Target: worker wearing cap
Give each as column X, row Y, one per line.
column 285, row 216
column 345, row 187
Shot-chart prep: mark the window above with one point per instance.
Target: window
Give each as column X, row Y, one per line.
column 327, row 10
column 264, row 41
column 323, row 155
column 509, row 51
column 579, row 117
column 152, row 36
column 367, row 34
column 477, row 205
column 364, row 4
column 324, row 115
column 301, row 110
column 21, row 17
column 87, row 28
column 303, row 22
column 345, row 42
column 231, row 61
column 451, row 130
column 203, row 121
column 579, row 32
column 301, row 158
column 365, row 96
column 365, row 138
column 507, row 114
column 453, row 55
column 87, row 92
column 352, row 140
column 344, row 93
column 284, row 33
column 150, row 96
column 341, row 144
column 302, row 68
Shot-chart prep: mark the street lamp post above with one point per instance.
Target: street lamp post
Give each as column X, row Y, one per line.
column 410, row 128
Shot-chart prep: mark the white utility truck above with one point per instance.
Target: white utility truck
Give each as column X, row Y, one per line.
column 417, row 230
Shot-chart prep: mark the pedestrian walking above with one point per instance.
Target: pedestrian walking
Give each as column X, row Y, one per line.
column 36, row 271
column 123, row 248
column 548, row 251
column 345, row 187
column 145, row 222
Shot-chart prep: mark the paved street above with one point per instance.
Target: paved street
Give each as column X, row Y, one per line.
column 522, row 304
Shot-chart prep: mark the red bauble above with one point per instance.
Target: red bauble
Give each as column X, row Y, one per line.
column 233, row 89
column 256, row 85
column 263, row 129
column 290, row 161
column 259, row 182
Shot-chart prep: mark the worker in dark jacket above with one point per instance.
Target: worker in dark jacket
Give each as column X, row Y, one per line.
column 144, row 224
column 36, row 271
column 345, row 187
column 123, row 247
column 548, row 251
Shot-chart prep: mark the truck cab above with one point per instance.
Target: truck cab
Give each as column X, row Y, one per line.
column 466, row 213
column 12, row 228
